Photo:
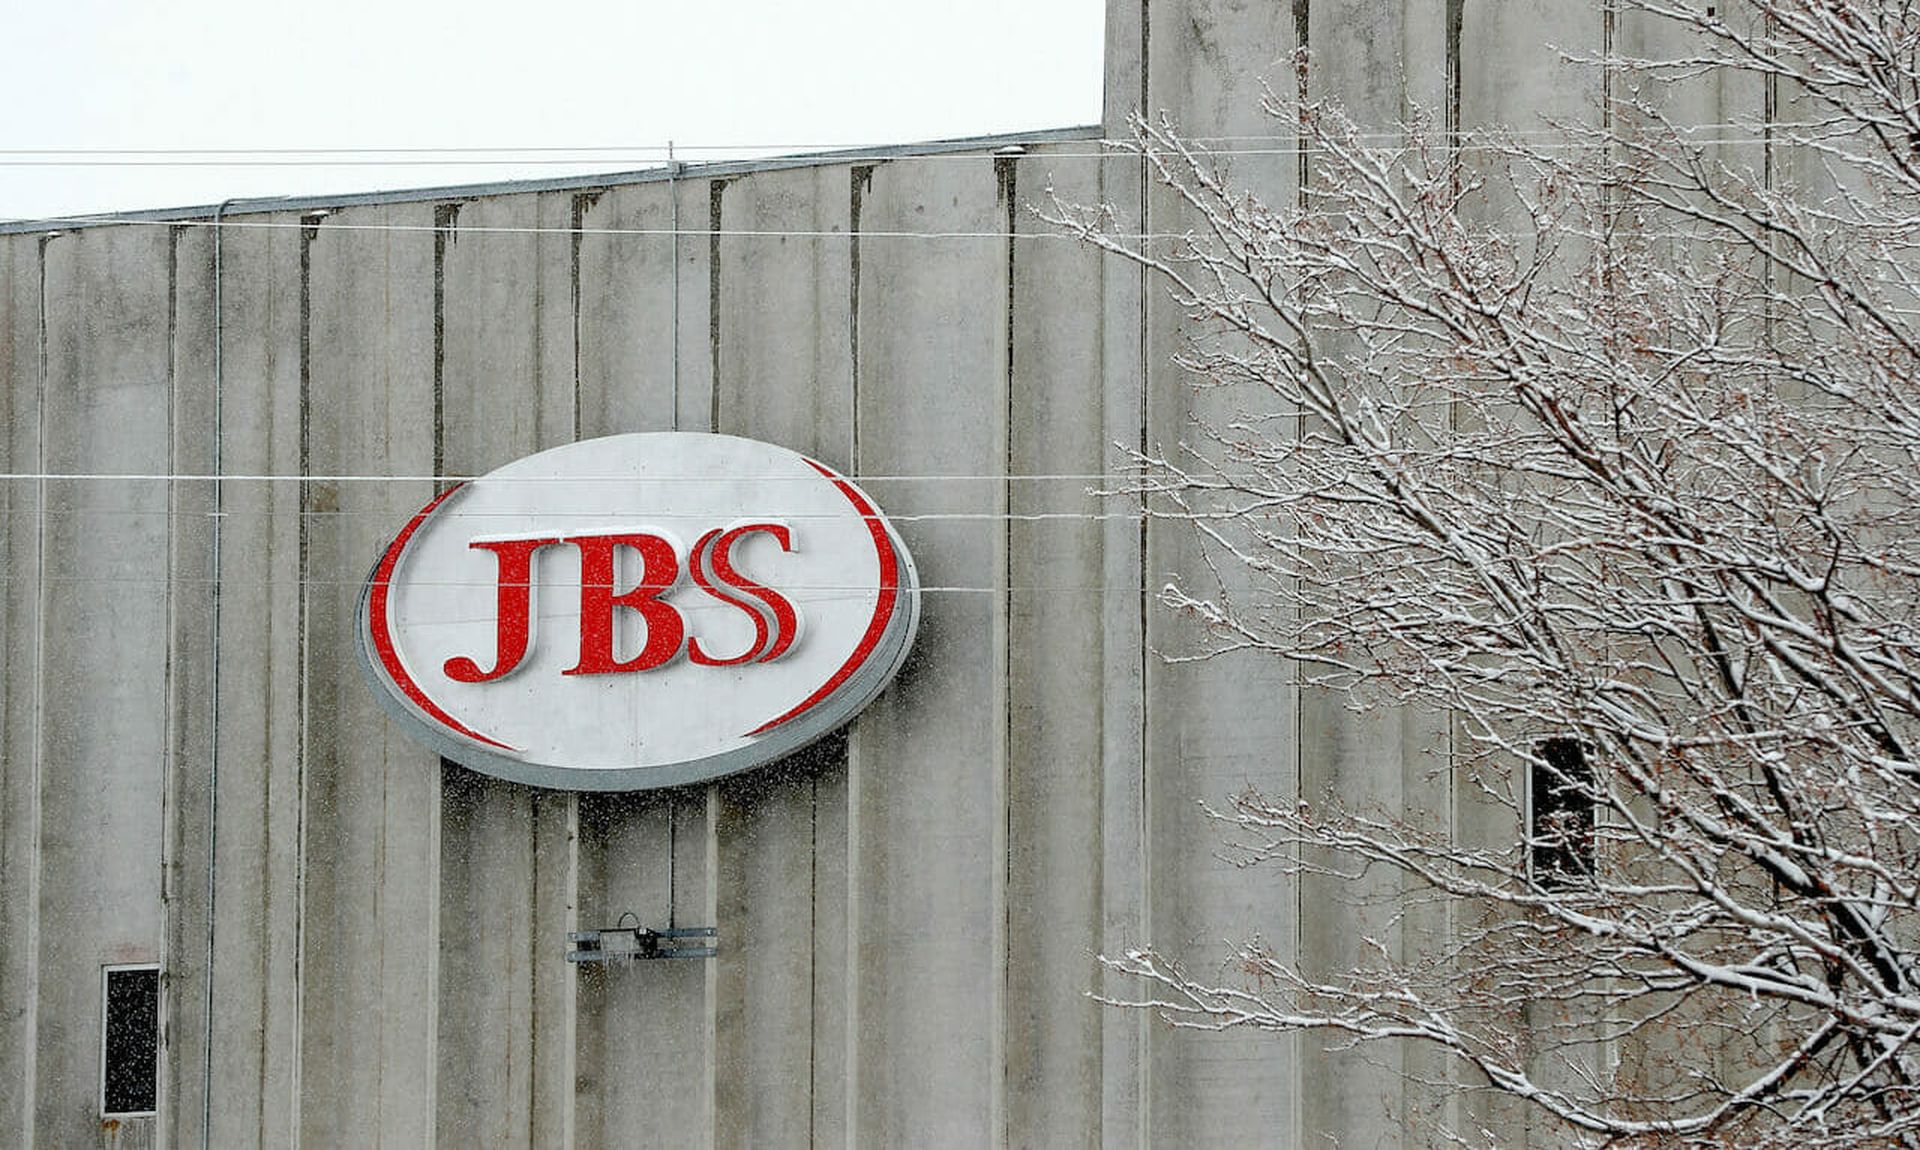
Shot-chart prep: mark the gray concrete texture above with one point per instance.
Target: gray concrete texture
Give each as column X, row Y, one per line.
column 909, row 912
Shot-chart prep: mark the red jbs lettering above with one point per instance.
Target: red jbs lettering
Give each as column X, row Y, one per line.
column 711, row 563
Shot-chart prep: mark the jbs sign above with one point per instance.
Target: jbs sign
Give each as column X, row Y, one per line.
column 638, row 611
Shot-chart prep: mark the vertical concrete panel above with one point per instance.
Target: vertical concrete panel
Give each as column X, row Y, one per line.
column 190, row 677
column 1514, row 72
column 629, row 268
column 1514, row 66
column 506, row 1037
column 763, row 1059
column 1360, row 60
column 1123, row 859
column 643, row 1036
column 556, row 352
column 102, row 777
column 556, row 817
column 20, row 627
column 497, row 947
column 1710, row 106
column 492, row 330
column 190, row 683
column 1808, row 171
column 626, row 355
column 1212, row 728
column 1350, row 1097
column 694, row 271
column 1715, row 111
column 1424, row 62
column 373, row 850
column 786, row 366
column 832, row 1049
column 644, row 1040
column 928, row 786
column 1057, row 693
column 1385, row 65
column 784, row 375
column 1207, row 63
column 488, row 953
column 556, row 871
column 1207, row 60
column 1123, row 79
column 1365, row 761
column 1379, row 67
column 1429, row 1104
column 590, row 998
column 284, row 903
column 1124, row 1044
column 257, row 891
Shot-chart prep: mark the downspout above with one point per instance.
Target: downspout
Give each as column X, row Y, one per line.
column 213, row 725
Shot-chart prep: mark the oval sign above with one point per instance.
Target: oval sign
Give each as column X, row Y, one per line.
column 638, row 611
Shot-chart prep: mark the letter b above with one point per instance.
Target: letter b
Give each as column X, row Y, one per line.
column 660, row 570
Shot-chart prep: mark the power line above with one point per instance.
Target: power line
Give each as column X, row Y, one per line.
column 1748, row 130
column 837, row 158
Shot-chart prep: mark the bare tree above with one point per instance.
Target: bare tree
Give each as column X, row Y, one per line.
column 1606, row 446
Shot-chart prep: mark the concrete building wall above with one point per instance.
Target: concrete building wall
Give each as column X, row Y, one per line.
column 909, row 912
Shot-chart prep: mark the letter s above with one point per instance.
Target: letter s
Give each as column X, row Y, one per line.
column 715, row 549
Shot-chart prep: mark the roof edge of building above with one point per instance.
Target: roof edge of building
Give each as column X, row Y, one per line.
column 660, row 174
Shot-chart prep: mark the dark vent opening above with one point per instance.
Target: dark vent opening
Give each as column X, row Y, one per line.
column 131, row 1054
column 1561, row 827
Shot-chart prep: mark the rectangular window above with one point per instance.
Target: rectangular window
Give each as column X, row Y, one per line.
column 129, row 1040
column 1560, row 823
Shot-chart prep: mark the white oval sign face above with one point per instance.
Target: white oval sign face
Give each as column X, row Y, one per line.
column 638, row 611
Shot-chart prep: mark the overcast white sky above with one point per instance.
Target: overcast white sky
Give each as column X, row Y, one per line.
column 87, row 75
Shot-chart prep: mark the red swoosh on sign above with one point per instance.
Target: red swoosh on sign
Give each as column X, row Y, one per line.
column 383, row 639
column 882, row 611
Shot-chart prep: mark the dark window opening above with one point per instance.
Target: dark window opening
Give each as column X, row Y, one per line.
column 130, row 1048
column 1561, row 823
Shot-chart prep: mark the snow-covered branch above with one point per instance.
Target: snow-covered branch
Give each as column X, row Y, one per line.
column 1608, row 450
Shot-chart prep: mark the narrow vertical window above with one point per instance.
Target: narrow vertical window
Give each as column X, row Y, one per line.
column 1560, row 823
column 130, row 1040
